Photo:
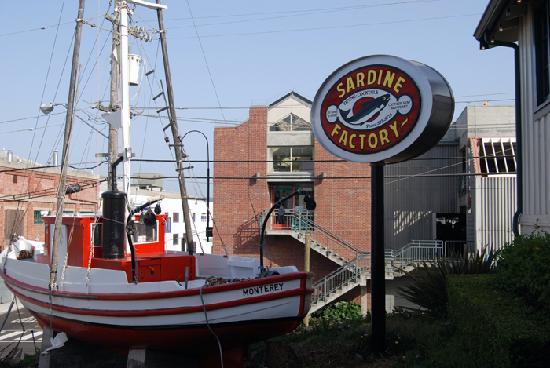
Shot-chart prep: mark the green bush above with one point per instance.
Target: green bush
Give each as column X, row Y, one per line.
column 429, row 287
column 524, row 268
column 492, row 327
column 334, row 314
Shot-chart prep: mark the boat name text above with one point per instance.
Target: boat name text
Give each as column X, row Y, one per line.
column 263, row 289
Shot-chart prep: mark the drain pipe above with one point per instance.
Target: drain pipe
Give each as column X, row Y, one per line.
column 519, row 155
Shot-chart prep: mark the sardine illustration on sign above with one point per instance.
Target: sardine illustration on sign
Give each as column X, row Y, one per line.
column 367, row 110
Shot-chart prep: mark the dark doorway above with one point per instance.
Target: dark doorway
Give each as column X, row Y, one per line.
column 451, row 229
column 282, row 216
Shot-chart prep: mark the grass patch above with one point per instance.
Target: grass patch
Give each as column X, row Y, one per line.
column 485, row 327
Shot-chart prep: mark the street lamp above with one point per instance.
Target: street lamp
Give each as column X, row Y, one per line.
column 208, row 228
column 47, row 108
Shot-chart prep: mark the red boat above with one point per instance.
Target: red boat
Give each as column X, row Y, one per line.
column 170, row 300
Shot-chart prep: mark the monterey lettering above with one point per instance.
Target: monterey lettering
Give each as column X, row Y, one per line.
column 263, row 289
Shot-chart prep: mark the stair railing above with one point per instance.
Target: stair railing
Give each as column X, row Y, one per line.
column 420, row 251
column 324, row 237
column 338, row 279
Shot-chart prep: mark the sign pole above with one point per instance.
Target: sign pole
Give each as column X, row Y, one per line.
column 378, row 286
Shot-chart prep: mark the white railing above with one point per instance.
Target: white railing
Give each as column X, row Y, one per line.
column 349, row 273
column 420, row 251
column 290, row 219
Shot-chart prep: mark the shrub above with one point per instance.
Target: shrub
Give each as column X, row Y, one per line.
column 429, row 287
column 492, row 327
column 337, row 313
column 524, row 269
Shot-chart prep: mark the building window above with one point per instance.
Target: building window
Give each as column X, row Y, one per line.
column 14, row 179
column 497, row 156
column 175, row 240
column 541, row 51
column 38, row 217
column 168, row 225
column 292, row 158
column 176, row 217
column 290, row 123
column 203, row 217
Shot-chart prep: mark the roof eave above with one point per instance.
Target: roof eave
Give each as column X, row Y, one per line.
column 492, row 12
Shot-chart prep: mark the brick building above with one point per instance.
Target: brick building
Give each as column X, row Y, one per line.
column 28, row 194
column 270, row 155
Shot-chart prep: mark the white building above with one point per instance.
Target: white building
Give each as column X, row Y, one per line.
column 175, row 228
column 524, row 26
column 487, row 143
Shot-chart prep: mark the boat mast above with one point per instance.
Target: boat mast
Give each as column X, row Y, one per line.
column 125, row 93
column 65, row 154
column 113, row 102
column 178, row 144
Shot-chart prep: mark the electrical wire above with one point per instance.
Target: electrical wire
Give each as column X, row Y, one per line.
column 205, row 60
column 46, row 79
column 317, row 161
column 357, row 25
column 301, row 12
column 306, row 13
column 54, row 97
column 287, row 106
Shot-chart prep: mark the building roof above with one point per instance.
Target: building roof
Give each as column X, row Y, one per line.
column 294, row 94
column 499, row 22
column 19, row 163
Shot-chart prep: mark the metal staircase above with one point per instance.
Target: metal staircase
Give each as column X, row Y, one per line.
column 354, row 264
column 338, row 282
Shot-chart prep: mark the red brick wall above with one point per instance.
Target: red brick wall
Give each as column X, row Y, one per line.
column 237, row 202
column 343, row 205
column 40, row 189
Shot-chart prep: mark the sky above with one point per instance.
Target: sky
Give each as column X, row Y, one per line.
column 228, row 54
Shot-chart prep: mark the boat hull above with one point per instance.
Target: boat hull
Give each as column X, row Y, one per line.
column 162, row 315
column 194, row 338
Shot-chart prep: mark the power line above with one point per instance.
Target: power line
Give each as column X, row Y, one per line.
column 72, row 166
column 27, row 118
column 300, row 13
column 286, row 106
column 46, row 81
column 357, row 25
column 272, row 177
column 315, row 161
column 205, row 61
column 39, row 28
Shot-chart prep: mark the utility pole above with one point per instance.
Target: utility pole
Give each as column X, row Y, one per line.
column 65, row 154
column 113, row 105
column 178, row 144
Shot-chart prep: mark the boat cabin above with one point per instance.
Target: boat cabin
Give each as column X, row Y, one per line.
column 82, row 240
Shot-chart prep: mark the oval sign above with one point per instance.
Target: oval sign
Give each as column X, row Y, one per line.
column 382, row 109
